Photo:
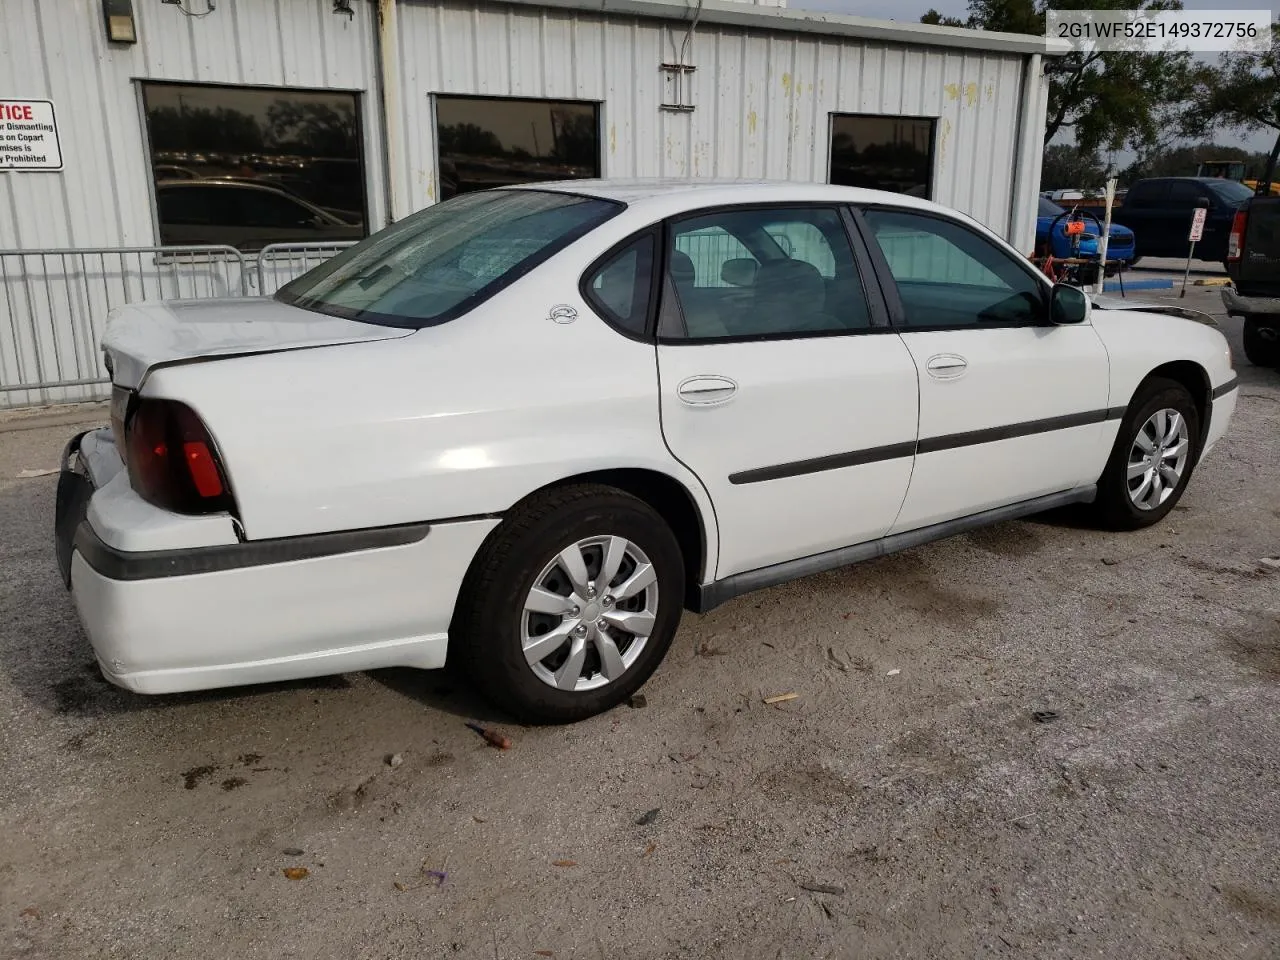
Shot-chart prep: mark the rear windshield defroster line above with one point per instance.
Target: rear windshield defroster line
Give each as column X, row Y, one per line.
column 445, row 260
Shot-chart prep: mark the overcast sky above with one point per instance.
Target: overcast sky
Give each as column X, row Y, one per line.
column 912, row 10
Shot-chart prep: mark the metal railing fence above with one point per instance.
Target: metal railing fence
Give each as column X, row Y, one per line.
column 53, row 304
column 278, row 263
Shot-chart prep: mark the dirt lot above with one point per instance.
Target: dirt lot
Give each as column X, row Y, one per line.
column 909, row 776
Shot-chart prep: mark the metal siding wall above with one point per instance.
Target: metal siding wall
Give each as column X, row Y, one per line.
column 763, row 99
column 57, row 50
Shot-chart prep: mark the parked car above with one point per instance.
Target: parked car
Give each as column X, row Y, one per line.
column 1051, row 234
column 243, row 215
column 526, row 427
column 1253, row 263
column 1159, row 212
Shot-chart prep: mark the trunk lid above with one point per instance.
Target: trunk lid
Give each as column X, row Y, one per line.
column 1259, row 268
column 143, row 336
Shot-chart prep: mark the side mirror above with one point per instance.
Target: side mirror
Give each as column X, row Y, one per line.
column 1203, row 202
column 1068, row 304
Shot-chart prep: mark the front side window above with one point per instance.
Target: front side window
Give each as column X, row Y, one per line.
column 950, row 276
column 882, row 153
column 448, row 258
column 765, row 272
column 299, row 149
column 1150, row 193
column 487, row 142
column 1184, row 194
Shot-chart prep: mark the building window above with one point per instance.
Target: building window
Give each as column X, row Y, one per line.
column 249, row 166
column 493, row 142
column 882, row 153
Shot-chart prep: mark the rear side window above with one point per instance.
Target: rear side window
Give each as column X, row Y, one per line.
column 185, row 206
column 1149, row 194
column 446, row 259
column 621, row 287
column 765, row 272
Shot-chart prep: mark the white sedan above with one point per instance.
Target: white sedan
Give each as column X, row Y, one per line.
column 527, row 427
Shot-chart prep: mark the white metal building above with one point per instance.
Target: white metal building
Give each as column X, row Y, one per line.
column 437, row 96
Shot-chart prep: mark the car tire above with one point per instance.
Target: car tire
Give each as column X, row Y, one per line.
column 1127, row 502
column 521, row 589
column 1262, row 341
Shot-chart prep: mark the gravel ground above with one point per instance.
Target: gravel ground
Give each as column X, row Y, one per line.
column 910, row 776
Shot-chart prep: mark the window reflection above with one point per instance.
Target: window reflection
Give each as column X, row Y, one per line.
column 248, row 166
column 492, row 142
column 882, row 153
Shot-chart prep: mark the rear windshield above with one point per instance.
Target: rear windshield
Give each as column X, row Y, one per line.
column 1230, row 190
column 1049, row 209
column 442, row 261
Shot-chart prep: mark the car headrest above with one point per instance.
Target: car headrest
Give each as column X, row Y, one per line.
column 681, row 268
column 791, row 280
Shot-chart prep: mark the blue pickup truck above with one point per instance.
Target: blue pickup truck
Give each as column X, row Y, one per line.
column 1159, row 212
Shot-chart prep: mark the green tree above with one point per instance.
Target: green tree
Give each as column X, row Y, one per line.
column 1066, row 166
column 313, row 128
column 1242, row 92
column 1184, row 160
column 1104, row 100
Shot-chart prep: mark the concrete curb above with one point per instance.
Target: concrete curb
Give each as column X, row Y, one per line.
column 1163, row 283
column 1113, row 286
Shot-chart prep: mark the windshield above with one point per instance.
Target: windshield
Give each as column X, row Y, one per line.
column 1230, row 190
column 444, row 260
column 1049, row 209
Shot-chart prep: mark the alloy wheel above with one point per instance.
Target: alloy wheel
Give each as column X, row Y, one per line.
column 589, row 614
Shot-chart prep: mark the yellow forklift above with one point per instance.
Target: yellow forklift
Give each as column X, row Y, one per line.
column 1232, row 170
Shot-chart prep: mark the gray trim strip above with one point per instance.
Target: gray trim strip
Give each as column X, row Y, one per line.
column 1226, row 388
column 1010, row 430
column 834, row 462
column 952, row 441
column 154, row 564
column 711, row 595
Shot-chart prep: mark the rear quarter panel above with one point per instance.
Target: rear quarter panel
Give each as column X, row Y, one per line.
column 457, row 420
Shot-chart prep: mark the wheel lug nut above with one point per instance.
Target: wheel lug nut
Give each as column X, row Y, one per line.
column 574, row 611
column 581, row 631
column 607, row 601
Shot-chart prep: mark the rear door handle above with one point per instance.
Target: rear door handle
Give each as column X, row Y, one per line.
column 706, row 390
column 946, row 366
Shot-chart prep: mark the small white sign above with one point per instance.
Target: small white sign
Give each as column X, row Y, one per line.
column 1160, row 31
column 29, row 136
column 1197, row 224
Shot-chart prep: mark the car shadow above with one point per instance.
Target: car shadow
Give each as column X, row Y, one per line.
column 445, row 691
column 46, row 659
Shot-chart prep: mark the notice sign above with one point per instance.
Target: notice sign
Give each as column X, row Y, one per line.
column 1197, row 224
column 29, row 136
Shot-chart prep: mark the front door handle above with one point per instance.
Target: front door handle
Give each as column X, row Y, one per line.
column 706, row 390
column 946, row 366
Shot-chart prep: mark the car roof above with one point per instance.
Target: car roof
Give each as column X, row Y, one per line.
column 714, row 192
column 224, row 183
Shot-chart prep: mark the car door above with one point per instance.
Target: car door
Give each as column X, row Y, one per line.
column 1141, row 213
column 781, row 384
column 1184, row 197
column 1011, row 407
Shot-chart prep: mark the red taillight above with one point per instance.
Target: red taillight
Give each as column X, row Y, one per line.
column 172, row 460
column 1235, row 242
